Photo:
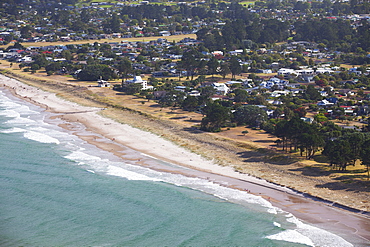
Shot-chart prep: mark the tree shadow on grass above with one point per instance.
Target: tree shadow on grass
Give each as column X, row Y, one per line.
column 263, row 141
column 266, row 155
column 155, row 106
column 193, row 130
column 312, row 171
column 174, row 113
column 355, row 186
column 193, row 121
column 252, row 156
column 178, row 118
column 320, row 159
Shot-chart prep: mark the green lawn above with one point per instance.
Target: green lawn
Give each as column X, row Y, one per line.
column 246, row 3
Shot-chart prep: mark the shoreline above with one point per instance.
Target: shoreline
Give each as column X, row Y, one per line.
column 317, row 213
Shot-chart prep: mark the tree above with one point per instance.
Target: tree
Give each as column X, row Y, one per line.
column 35, row 66
column 216, row 117
column 320, row 118
column 66, row 54
column 235, row 67
column 95, row 72
column 225, row 70
column 312, row 93
column 240, row 95
column 53, row 67
column 290, row 131
column 113, row 24
column 124, row 67
column 245, row 132
column 310, row 143
column 189, row 61
column 172, row 99
column 250, row 115
column 355, row 140
column 132, row 88
column 300, row 111
column 205, row 94
column 212, row 66
column 365, row 156
column 190, row 103
column 339, row 153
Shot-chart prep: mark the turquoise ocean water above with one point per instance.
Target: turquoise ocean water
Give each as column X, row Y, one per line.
column 57, row 190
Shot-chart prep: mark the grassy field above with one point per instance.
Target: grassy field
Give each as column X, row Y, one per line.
column 175, row 38
column 243, row 3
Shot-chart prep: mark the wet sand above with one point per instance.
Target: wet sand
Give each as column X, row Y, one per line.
column 141, row 147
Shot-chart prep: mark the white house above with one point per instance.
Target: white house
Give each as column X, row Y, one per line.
column 287, row 72
column 221, row 88
column 324, row 103
column 165, row 33
column 138, row 79
column 103, row 83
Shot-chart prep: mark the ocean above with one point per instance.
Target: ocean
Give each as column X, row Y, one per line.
column 58, row 190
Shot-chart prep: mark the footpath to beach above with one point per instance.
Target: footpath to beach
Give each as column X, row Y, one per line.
column 212, row 156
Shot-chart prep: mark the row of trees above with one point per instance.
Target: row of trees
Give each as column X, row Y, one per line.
column 336, row 34
column 347, row 149
column 342, row 147
column 194, row 62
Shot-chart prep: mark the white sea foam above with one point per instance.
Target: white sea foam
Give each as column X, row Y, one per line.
column 120, row 172
column 40, row 137
column 33, row 135
column 277, row 224
column 318, row 236
column 10, row 113
column 292, row 236
column 18, row 107
column 13, row 130
column 20, row 120
column 82, row 156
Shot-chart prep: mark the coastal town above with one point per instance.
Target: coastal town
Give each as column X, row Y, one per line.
column 287, row 81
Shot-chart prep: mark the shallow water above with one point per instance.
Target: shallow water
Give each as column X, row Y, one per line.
column 58, row 190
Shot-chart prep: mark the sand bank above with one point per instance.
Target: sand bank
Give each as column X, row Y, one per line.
column 352, row 225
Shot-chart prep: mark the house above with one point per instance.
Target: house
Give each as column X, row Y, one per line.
column 103, row 83
column 307, row 119
column 278, row 93
column 264, row 71
column 165, row 33
column 231, row 83
column 180, row 88
column 25, row 59
column 194, row 93
column 221, row 88
column 324, row 93
column 138, row 79
column 325, row 103
column 333, row 100
column 346, row 92
column 287, row 72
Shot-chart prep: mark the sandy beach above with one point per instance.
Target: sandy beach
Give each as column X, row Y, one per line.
column 151, row 138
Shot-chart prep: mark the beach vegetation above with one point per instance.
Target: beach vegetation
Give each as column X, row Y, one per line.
column 95, row 72
column 244, row 132
column 131, row 88
column 250, row 115
column 365, row 156
column 216, row 116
